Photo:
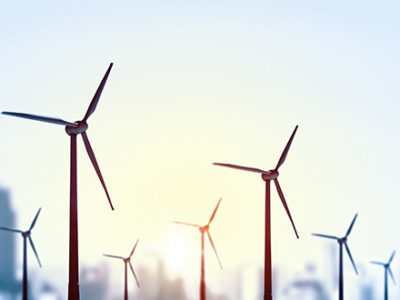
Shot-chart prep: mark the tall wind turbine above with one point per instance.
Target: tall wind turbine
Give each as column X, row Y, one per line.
column 204, row 229
column 386, row 266
column 26, row 235
column 267, row 176
column 342, row 241
column 73, row 129
column 127, row 261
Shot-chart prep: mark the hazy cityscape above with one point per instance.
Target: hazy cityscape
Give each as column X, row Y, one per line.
column 96, row 284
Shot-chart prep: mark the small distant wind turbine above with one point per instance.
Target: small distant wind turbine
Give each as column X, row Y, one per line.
column 204, row 229
column 387, row 270
column 127, row 260
column 267, row 176
column 26, row 235
column 73, row 129
column 342, row 241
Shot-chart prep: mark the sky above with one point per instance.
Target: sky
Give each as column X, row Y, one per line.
column 198, row 82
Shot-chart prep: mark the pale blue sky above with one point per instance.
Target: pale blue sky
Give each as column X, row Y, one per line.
column 195, row 83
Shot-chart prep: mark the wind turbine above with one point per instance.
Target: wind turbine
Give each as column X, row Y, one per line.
column 204, row 229
column 127, row 260
column 267, row 176
column 342, row 241
column 26, row 235
column 73, row 129
column 387, row 270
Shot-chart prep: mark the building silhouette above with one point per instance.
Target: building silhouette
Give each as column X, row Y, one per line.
column 94, row 281
column 10, row 287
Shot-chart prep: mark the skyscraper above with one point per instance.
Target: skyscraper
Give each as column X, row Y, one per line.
column 8, row 282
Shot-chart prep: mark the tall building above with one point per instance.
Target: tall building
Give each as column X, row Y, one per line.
column 367, row 292
column 94, row 282
column 8, row 283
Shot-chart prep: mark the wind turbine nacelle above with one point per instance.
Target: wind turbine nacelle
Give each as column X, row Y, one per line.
column 82, row 127
column 204, row 228
column 271, row 175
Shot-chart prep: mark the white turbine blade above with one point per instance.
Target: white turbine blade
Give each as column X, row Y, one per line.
column 391, row 275
column 215, row 250
column 351, row 258
column 92, row 157
column 134, row 247
column 134, row 275
column 286, row 150
column 113, row 256
column 12, row 230
column 214, row 212
column 35, row 219
column 184, row 223
column 377, row 263
column 391, row 257
column 241, row 168
column 278, row 187
column 34, row 250
column 51, row 120
column 325, row 236
column 351, row 225
column 96, row 97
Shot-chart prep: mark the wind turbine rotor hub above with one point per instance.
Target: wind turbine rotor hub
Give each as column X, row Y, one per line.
column 271, row 175
column 82, row 127
column 203, row 228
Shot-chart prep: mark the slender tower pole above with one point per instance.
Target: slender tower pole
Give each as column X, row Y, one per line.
column 267, row 258
column 73, row 286
column 341, row 271
column 126, row 281
column 386, row 284
column 202, row 278
column 25, row 274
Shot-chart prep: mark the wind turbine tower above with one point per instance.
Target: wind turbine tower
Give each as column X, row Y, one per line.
column 26, row 235
column 204, row 229
column 73, row 129
column 387, row 269
column 342, row 241
column 267, row 176
column 127, row 261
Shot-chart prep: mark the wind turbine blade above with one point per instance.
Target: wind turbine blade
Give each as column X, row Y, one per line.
column 351, row 258
column 391, row 275
column 215, row 211
column 286, row 150
column 134, row 247
column 34, row 250
column 35, row 219
column 96, row 97
column 95, row 165
column 377, row 263
column 391, row 257
column 215, row 250
column 278, row 187
column 134, row 275
column 351, row 225
column 113, row 256
column 40, row 118
column 325, row 236
column 184, row 223
column 241, row 168
column 9, row 229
